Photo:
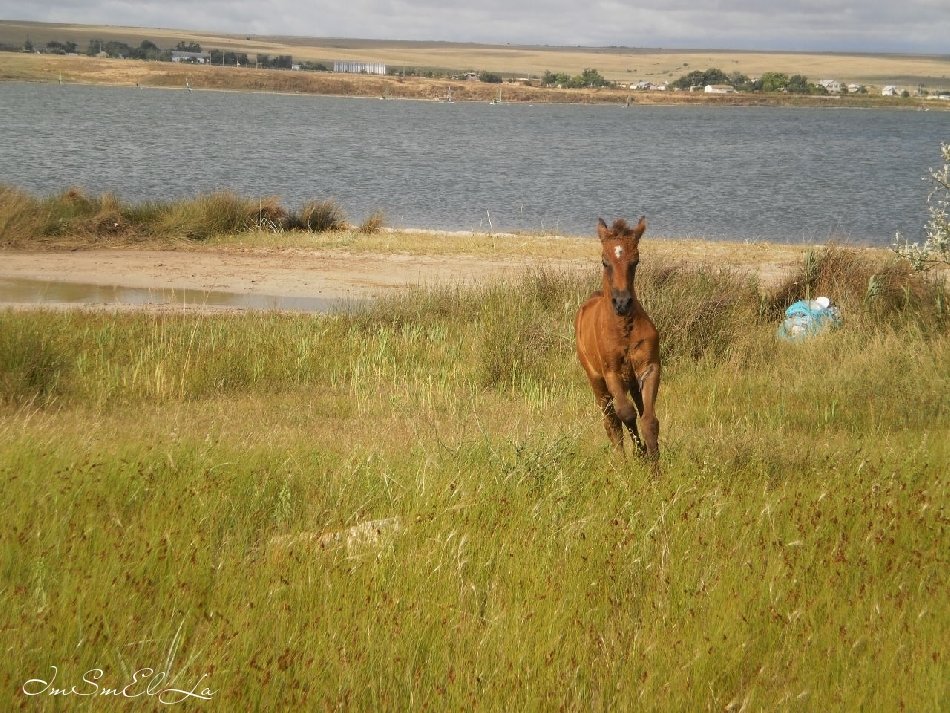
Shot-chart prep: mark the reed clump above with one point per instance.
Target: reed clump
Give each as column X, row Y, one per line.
column 73, row 218
column 25, row 218
column 198, row 219
column 318, row 216
column 19, row 219
column 373, row 223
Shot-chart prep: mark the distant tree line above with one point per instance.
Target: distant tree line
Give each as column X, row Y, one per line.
column 768, row 82
column 220, row 57
column 61, row 48
column 281, row 61
column 113, row 48
column 587, row 78
column 490, row 77
column 148, row 50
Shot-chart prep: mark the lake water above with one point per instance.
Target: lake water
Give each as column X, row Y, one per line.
column 746, row 173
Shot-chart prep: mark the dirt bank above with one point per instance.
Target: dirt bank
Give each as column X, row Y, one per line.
column 290, row 273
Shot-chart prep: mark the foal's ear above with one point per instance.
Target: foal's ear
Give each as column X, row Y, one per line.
column 640, row 227
column 603, row 232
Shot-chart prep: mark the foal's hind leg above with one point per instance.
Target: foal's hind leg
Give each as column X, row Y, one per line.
column 649, row 386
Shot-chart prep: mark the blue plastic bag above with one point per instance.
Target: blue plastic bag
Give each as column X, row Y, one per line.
column 806, row 318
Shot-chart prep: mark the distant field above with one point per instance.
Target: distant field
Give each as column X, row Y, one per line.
column 932, row 71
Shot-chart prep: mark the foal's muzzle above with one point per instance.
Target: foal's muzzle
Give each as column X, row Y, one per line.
column 622, row 301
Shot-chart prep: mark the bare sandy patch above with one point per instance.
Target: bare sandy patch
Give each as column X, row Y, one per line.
column 338, row 275
column 358, row 267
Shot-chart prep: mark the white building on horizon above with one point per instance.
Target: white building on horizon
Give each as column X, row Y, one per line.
column 193, row 57
column 354, row 67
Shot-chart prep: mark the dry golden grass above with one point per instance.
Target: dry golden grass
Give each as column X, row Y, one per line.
column 182, row 493
column 768, row 261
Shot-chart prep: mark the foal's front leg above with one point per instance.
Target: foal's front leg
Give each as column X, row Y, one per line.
column 624, row 407
column 606, row 404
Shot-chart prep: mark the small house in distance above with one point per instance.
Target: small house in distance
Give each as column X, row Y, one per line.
column 191, row 57
column 650, row 86
column 833, row 86
column 719, row 89
column 890, row 91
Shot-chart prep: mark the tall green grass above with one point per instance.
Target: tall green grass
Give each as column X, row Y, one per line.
column 181, row 493
column 72, row 217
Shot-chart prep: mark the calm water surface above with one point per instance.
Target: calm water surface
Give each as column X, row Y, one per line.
column 718, row 172
column 26, row 291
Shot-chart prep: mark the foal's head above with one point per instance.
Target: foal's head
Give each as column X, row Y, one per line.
column 621, row 253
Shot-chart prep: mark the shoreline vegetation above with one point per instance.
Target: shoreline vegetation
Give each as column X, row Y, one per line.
column 436, row 71
column 226, row 222
column 73, row 218
column 152, row 75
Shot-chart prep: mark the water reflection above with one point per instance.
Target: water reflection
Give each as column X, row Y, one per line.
column 22, row 291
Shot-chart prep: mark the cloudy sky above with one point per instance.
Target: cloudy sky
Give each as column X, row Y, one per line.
column 833, row 25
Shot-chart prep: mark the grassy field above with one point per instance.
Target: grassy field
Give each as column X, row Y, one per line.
column 414, row 506
column 617, row 64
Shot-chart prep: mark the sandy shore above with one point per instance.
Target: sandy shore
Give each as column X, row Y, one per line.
column 333, row 275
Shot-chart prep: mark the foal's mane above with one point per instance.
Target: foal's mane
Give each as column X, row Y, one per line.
column 621, row 229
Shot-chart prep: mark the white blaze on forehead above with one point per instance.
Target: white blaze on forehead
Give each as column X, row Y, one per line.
column 618, row 251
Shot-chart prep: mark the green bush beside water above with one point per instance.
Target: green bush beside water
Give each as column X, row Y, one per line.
column 181, row 493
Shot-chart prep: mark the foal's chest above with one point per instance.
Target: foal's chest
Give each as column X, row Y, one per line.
column 632, row 362
column 628, row 371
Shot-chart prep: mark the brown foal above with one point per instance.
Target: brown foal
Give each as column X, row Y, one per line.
column 618, row 345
